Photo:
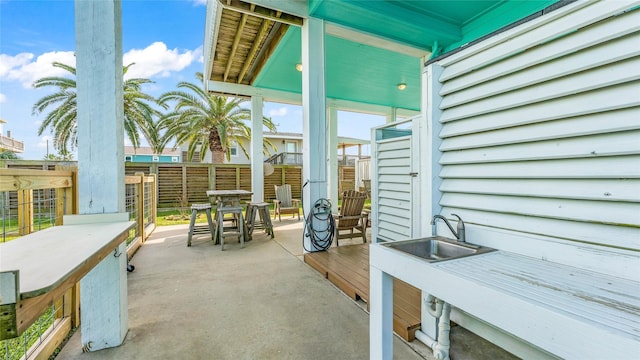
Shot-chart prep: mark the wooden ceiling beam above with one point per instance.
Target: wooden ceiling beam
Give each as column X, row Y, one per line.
column 274, row 38
column 254, row 48
column 262, row 12
column 234, row 47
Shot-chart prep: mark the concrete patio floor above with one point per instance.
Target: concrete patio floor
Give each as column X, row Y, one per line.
column 260, row 302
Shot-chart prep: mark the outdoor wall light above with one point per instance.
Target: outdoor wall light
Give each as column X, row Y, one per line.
column 299, row 67
column 402, row 86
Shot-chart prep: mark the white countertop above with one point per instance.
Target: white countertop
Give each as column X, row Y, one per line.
column 556, row 307
column 48, row 257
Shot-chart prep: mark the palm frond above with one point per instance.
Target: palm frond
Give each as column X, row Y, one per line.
column 139, row 109
column 206, row 121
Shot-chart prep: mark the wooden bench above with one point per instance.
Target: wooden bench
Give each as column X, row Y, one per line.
column 565, row 311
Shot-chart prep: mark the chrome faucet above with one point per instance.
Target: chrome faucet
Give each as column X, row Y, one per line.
column 458, row 234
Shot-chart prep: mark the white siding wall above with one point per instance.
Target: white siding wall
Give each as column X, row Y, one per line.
column 540, row 145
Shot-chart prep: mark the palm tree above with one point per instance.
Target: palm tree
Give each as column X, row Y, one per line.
column 156, row 139
column 208, row 122
column 62, row 119
column 59, row 157
column 8, row 155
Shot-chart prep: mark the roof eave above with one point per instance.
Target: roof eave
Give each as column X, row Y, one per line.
column 212, row 26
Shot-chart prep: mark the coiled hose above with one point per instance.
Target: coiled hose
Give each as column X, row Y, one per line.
column 319, row 225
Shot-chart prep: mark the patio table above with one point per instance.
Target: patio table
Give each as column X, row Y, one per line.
column 229, row 198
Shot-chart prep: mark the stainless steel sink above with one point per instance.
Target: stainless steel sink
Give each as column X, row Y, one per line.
column 437, row 248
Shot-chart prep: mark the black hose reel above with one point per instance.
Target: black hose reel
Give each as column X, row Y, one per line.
column 319, row 225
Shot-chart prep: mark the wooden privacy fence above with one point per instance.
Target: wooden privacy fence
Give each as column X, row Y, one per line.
column 140, row 203
column 33, row 200
column 181, row 184
column 185, row 183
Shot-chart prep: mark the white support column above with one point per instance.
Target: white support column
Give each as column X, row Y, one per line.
column 430, row 168
column 392, row 115
column 332, row 186
column 257, row 170
column 101, row 162
column 373, row 171
column 381, row 315
column 430, row 143
column 314, row 110
column 344, row 154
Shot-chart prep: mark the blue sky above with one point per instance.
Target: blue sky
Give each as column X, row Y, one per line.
column 164, row 38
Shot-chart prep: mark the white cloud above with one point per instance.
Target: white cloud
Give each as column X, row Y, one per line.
column 3, row 98
column 278, row 112
column 199, row 2
column 154, row 60
column 8, row 62
column 157, row 60
column 22, row 68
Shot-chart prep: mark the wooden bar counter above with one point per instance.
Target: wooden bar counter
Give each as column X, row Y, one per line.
column 38, row 268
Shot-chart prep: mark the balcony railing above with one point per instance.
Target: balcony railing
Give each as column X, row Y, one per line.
column 287, row 158
column 10, row 144
column 350, row 160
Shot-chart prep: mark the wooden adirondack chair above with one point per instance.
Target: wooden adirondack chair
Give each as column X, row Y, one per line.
column 367, row 187
column 284, row 204
column 351, row 217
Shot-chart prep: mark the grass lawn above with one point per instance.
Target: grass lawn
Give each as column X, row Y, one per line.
column 10, row 229
column 176, row 217
column 15, row 348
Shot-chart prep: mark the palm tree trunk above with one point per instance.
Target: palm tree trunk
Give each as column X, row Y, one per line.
column 215, row 146
column 217, row 157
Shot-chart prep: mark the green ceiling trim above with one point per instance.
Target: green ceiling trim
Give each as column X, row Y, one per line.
column 399, row 24
column 421, row 23
column 313, row 5
column 354, row 72
column 279, row 73
column 506, row 13
column 371, row 75
column 367, row 74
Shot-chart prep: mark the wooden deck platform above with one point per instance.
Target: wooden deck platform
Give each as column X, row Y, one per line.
column 348, row 268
